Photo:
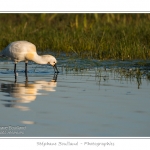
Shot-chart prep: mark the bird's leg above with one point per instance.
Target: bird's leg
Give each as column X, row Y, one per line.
column 15, row 72
column 26, row 70
column 15, row 68
column 55, row 68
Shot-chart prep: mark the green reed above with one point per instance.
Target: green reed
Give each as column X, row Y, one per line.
column 99, row 36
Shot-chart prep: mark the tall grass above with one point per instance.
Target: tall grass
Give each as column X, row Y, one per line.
column 99, row 36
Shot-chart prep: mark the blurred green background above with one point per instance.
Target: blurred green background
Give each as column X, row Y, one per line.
column 90, row 35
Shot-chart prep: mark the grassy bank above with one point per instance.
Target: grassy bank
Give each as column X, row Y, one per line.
column 100, row 36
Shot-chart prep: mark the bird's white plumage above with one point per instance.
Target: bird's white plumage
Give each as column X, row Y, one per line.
column 25, row 51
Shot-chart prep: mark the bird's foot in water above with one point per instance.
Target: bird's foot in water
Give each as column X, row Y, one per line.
column 56, row 71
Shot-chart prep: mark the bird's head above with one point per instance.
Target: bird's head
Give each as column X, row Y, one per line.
column 52, row 61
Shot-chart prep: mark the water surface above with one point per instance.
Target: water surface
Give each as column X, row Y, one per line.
column 86, row 99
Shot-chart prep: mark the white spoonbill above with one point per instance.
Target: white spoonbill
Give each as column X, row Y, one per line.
column 25, row 51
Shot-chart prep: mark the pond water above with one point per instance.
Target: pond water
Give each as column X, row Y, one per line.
column 86, row 99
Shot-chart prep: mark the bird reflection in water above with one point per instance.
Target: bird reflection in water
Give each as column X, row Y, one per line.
column 26, row 92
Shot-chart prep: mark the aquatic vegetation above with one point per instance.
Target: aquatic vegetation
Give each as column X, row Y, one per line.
column 104, row 70
column 90, row 36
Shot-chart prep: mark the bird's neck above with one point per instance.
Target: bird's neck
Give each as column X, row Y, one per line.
column 39, row 59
